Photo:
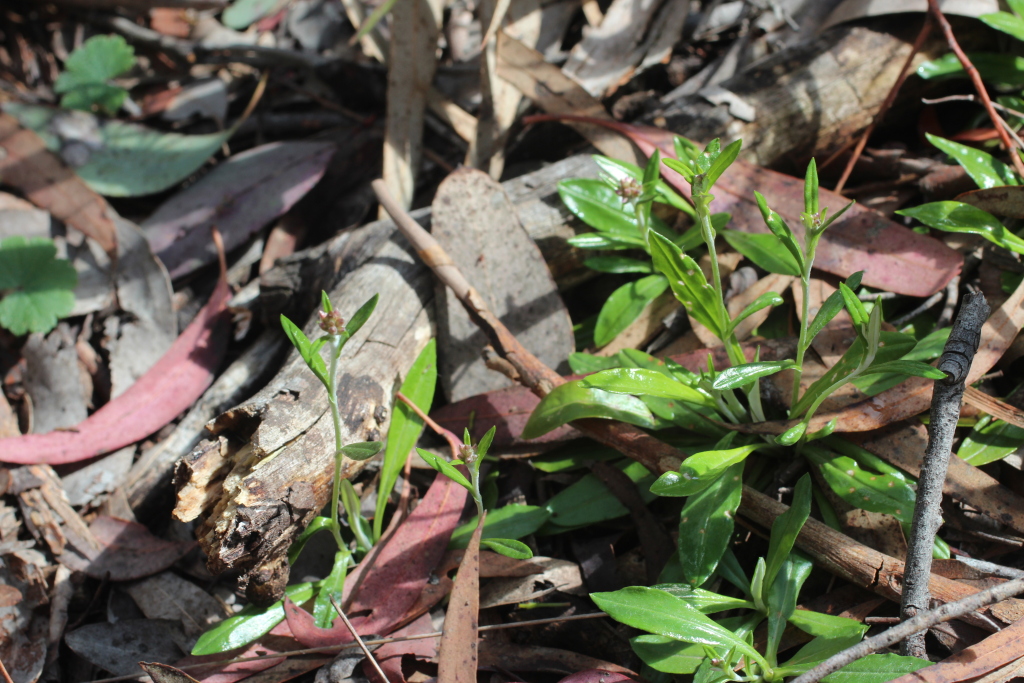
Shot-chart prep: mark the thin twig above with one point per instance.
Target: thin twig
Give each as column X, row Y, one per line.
column 952, row 297
column 337, row 648
column 928, row 303
column 3, row 670
column 453, row 441
column 992, row 568
column 946, row 399
column 926, row 30
column 359, row 641
column 971, row 98
column 979, row 86
column 923, row 621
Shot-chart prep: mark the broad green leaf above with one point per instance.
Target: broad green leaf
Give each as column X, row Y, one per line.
column 699, row 471
column 37, row 288
column 668, row 654
column 690, row 417
column 822, row 625
column 1017, row 6
column 573, row 456
column 250, row 624
column 890, row 494
column 406, row 426
column 986, row 170
column 785, row 529
column 817, row 651
column 509, row 521
column 508, row 547
column 446, row 468
column 588, row 501
column 617, row 170
column 642, row 382
column 706, row 524
column 764, row 301
column 765, row 250
column 333, row 586
column 991, row 441
column 741, row 375
column 575, row 400
column 1008, row 23
column 596, row 204
column 688, row 283
column 364, row 450
column 702, row 600
column 618, row 264
column 876, row 669
column 722, row 162
column 656, row 611
column 594, row 240
column 585, row 363
column 84, row 83
column 1003, row 69
column 953, row 216
column 625, row 305
column 928, row 348
column 782, row 598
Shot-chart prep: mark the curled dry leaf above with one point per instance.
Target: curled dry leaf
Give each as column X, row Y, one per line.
column 27, row 165
column 166, row 390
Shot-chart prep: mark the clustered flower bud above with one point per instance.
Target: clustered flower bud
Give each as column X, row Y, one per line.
column 332, row 323
column 467, row 454
column 629, row 189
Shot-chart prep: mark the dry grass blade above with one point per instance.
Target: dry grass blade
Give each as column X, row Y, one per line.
column 993, row 406
column 457, row 661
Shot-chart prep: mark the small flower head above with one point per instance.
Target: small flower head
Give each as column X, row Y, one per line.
column 332, row 322
column 467, row 454
column 629, row 189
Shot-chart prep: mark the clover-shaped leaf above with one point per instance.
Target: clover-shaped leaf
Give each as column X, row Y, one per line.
column 37, row 287
column 87, row 70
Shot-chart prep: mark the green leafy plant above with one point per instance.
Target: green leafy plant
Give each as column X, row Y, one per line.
column 85, row 82
column 470, row 458
column 36, row 287
column 682, row 639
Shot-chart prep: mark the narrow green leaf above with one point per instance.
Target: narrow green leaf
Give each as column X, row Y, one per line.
column 444, row 467
column 989, row 442
column 625, row 305
column 360, row 317
column 765, row 250
column 854, row 305
column 596, row 204
column 617, row 170
column 509, row 521
column 699, row 471
column 1009, row 24
column 876, row 669
column 741, row 375
column 605, row 241
column 817, row 651
column 757, row 585
column 702, row 600
column 585, row 363
column 764, row 301
column 333, row 586
column 688, row 283
column 959, row 217
column 575, row 400
column 619, row 265
column 825, row 625
column 658, row 612
column 1000, row 69
column 706, row 524
column 250, row 624
column 782, row 598
column 777, row 224
column 517, row 550
column 642, row 382
column 785, row 529
column 910, row 368
column 792, row 435
column 811, row 188
column 485, row 442
column 722, row 162
column 318, row 524
column 891, row 494
column 669, row 655
column 325, row 302
column 364, row 450
column 588, row 501
column 983, row 168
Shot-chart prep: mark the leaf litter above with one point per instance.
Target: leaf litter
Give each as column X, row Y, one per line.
column 400, row 588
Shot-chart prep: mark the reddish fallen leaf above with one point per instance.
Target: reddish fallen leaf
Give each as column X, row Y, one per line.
column 304, row 629
column 460, row 642
column 976, row 135
column 993, row 652
column 512, row 657
column 893, row 258
column 239, row 197
column 596, row 676
column 44, row 178
column 170, row 387
column 404, row 566
column 128, row 551
column 1002, row 201
column 389, row 655
column 237, row 671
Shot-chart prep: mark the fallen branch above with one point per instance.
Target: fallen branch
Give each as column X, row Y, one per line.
column 946, row 398
column 923, row 621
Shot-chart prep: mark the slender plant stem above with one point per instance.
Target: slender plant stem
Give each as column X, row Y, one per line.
column 979, row 86
column 923, row 621
column 946, row 397
column 802, row 342
column 332, row 399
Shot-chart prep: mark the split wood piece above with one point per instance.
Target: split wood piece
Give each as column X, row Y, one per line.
column 540, row 379
column 270, row 470
column 903, row 445
column 956, row 359
column 476, row 225
column 48, row 515
column 842, row 556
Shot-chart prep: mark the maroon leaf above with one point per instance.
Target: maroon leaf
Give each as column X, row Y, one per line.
column 304, row 629
column 596, row 676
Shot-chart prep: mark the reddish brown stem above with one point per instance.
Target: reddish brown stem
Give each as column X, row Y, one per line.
column 975, row 77
column 926, row 30
column 453, row 441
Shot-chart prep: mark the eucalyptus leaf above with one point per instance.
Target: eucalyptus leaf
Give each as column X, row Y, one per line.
column 574, row 401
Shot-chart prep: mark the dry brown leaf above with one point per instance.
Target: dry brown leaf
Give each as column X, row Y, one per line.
column 993, row 406
column 458, row 655
column 991, row 653
column 26, row 164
